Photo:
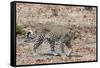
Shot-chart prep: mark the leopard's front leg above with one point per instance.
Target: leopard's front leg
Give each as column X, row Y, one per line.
column 35, row 46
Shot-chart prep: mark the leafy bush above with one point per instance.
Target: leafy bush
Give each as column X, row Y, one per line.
column 19, row 30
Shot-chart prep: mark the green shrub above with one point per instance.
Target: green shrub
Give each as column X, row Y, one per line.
column 19, row 30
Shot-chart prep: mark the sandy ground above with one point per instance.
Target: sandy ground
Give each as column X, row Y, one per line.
column 38, row 16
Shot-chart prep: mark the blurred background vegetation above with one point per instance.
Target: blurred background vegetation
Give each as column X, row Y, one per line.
column 19, row 30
